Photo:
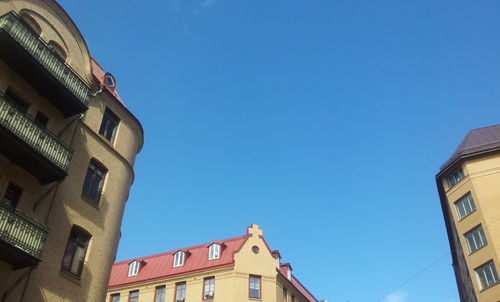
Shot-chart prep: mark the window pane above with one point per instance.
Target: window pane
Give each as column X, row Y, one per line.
column 115, row 298
column 160, row 294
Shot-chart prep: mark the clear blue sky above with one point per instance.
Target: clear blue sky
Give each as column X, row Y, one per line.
column 324, row 121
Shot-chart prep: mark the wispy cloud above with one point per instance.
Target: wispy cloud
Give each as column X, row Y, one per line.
column 204, row 6
column 397, row 296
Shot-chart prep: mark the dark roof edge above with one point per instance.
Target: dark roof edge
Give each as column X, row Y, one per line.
column 494, row 147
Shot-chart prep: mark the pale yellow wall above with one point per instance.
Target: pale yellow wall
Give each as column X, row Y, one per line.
column 482, row 180
column 47, row 282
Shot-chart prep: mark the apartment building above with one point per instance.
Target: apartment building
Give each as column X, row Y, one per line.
column 468, row 186
column 238, row 269
column 67, row 151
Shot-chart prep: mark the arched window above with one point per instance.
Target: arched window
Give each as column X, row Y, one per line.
column 179, row 258
column 33, row 25
column 58, row 50
column 133, row 268
column 76, row 248
column 214, row 251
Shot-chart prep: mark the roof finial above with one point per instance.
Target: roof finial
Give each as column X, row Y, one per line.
column 254, row 229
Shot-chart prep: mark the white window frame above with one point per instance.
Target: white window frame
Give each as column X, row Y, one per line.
column 179, row 258
column 214, row 251
column 455, row 177
column 133, row 268
column 482, row 271
column 460, row 204
column 475, row 238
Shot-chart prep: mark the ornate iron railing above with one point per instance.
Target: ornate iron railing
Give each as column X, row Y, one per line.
column 41, row 52
column 21, row 231
column 37, row 137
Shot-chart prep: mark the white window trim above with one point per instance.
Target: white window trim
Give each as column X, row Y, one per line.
column 133, row 268
column 179, row 258
column 214, row 251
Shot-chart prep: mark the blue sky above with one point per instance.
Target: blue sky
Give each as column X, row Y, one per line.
column 323, row 121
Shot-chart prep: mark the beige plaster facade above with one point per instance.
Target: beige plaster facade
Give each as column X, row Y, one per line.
column 481, row 176
column 231, row 282
column 56, row 203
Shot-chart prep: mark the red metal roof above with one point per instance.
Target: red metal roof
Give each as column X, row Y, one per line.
column 160, row 266
column 296, row 283
column 100, row 74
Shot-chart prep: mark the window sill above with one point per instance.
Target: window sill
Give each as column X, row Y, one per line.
column 71, row 277
column 472, row 253
column 255, row 298
column 90, row 201
column 485, row 289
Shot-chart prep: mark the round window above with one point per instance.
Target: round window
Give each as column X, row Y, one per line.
column 255, row 249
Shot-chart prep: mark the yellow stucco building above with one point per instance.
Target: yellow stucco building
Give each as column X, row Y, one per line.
column 468, row 185
column 67, row 151
column 234, row 270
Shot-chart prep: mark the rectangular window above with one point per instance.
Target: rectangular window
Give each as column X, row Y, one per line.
column 214, row 251
column 293, row 298
column 254, row 287
column 115, row 298
column 94, row 179
column 12, row 195
column 74, row 255
column 455, row 177
column 487, row 275
column 475, row 239
column 180, row 292
column 109, row 123
column 465, row 206
column 179, row 259
column 41, row 119
column 160, row 294
column 209, row 288
column 133, row 296
column 285, row 295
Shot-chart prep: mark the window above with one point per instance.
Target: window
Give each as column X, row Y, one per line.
column 32, row 24
column 293, row 298
column 179, row 259
column 465, row 206
column 475, row 239
column 109, row 123
column 208, row 288
column 487, row 275
column 180, row 292
column 74, row 255
column 41, row 119
column 94, row 179
column 133, row 296
column 160, row 294
column 12, row 195
column 115, row 298
column 17, row 101
column 289, row 273
column 254, row 287
column 214, row 251
column 58, row 50
column 455, row 177
column 133, row 268
column 109, row 81
column 285, row 295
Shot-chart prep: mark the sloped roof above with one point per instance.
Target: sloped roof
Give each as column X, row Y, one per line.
column 99, row 74
column 477, row 141
column 160, row 266
column 296, row 283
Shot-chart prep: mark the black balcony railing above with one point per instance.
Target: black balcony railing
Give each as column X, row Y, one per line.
column 33, row 135
column 18, row 30
column 21, row 232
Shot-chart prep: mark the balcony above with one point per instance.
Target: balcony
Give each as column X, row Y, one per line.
column 31, row 146
column 35, row 61
column 21, row 238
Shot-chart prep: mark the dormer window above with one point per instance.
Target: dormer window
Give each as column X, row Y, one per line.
column 214, row 251
column 133, row 268
column 110, row 81
column 179, row 258
column 289, row 274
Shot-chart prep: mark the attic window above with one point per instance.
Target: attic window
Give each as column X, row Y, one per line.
column 110, row 81
column 214, row 251
column 179, row 258
column 289, row 273
column 133, row 268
